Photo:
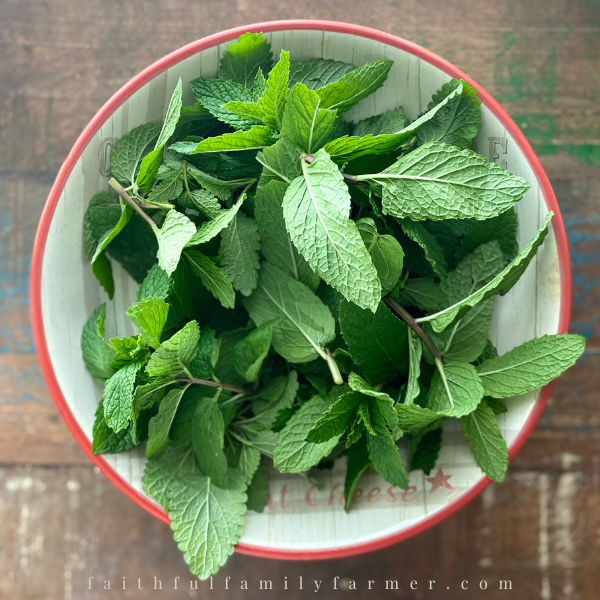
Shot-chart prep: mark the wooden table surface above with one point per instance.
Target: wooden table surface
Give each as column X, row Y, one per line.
column 62, row 522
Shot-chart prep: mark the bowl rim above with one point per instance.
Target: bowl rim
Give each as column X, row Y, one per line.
column 142, row 78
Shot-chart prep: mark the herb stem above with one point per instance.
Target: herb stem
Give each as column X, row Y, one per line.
column 333, row 367
column 308, row 158
column 214, row 384
column 410, row 321
column 123, row 193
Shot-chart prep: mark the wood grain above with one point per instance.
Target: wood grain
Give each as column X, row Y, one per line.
column 62, row 522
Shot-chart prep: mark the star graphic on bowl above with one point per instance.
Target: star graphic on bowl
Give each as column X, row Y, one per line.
column 439, row 481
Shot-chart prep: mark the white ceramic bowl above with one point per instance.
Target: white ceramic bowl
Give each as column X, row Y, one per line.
column 300, row 521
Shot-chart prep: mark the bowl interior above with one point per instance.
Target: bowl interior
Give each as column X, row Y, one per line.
column 300, row 518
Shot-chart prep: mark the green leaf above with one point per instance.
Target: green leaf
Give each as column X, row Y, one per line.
column 530, row 365
column 207, row 521
column 386, row 459
column 201, row 200
column 129, row 151
column 304, row 324
column 276, row 245
column 424, row 450
column 378, row 342
column 358, row 463
column 127, row 349
column 501, row 284
column 349, row 148
column 248, row 462
column 257, row 137
column 281, row 162
column 336, row 419
column 414, row 419
column 150, row 164
column 242, row 59
column 205, row 361
column 118, row 396
column 250, row 353
column 213, row 94
column 97, row 352
column 316, row 73
column 164, row 192
column 305, row 123
column 106, row 441
column 208, row 431
column 110, row 234
column 146, row 396
column 276, row 397
column 157, row 284
column 316, row 209
column 160, row 424
column 423, row 293
column 486, row 442
column 149, row 316
column 240, row 245
column 215, row 280
column 210, row 229
column 174, row 354
column 258, row 490
column 464, row 386
column 437, row 181
column 433, row 251
column 225, row 367
column 498, row 406
column 345, row 93
column 458, row 122
column 388, row 123
column 415, row 352
column 273, row 100
column 102, row 271
column 381, row 406
column 293, row 454
column 220, row 188
column 386, row 253
column 175, row 233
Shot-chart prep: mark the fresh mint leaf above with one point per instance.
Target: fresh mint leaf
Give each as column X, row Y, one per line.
column 110, row 234
column 201, row 200
column 304, row 324
column 225, row 367
column 163, row 193
column 276, row 397
column 501, row 284
column 414, row 419
column 424, row 450
column 415, row 352
column 430, row 246
column 203, row 364
column 377, row 342
column 358, row 463
column 458, row 122
column 208, row 431
column 157, row 284
column 436, row 181
column 459, row 394
column 128, row 152
column 175, row 233
column 486, row 442
column 276, row 245
column 146, row 396
column 127, row 350
column 386, row 253
column 215, row 280
column 316, row 73
column 281, row 162
column 273, row 100
column 530, row 365
column 336, row 419
column 174, row 354
column 240, row 245
column 149, row 316
column 257, row 137
column 242, row 59
column 387, row 123
column 305, row 123
column 258, row 490
column 386, row 460
column 97, row 353
column 381, row 407
column 423, row 293
column 348, row 91
column 250, row 353
column 160, row 424
column 498, row 406
column 210, row 229
column 118, row 396
column 316, row 209
column 293, row 454
column 106, row 441
column 150, row 163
